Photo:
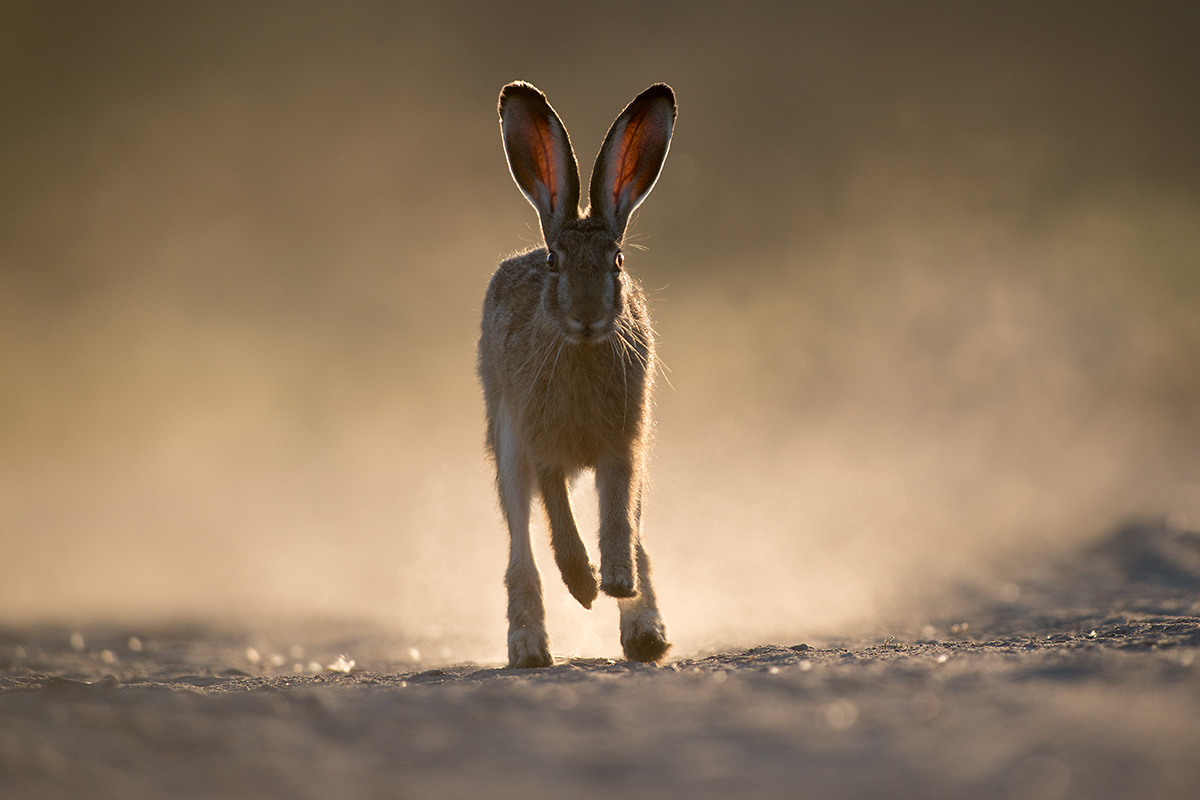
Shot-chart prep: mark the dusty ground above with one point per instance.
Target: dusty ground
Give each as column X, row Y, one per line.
column 1084, row 682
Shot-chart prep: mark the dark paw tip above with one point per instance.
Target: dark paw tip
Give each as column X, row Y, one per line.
column 584, row 590
column 532, row 662
column 646, row 647
column 619, row 590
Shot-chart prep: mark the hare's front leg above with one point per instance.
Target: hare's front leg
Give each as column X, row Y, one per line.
column 569, row 553
column 528, row 644
column 617, row 484
column 643, row 633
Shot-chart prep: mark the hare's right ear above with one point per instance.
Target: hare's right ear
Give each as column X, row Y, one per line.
column 539, row 155
column 632, row 155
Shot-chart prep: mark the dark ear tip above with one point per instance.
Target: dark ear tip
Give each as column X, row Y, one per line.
column 520, row 89
column 659, row 91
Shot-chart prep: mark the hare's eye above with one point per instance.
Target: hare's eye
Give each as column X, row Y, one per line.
column 619, row 261
column 551, row 260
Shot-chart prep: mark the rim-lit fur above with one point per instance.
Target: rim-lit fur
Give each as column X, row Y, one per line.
column 566, row 358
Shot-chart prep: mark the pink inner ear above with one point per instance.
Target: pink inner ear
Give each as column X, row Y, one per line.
column 545, row 160
column 632, row 179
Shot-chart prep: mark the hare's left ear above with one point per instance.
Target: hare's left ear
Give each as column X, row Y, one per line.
column 632, row 156
column 539, row 156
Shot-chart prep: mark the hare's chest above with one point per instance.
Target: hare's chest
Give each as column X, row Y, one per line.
column 582, row 410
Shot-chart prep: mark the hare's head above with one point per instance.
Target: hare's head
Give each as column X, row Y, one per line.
column 583, row 283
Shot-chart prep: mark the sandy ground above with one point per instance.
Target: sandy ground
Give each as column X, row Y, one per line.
column 1083, row 683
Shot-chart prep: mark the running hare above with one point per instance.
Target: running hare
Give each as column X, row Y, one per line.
column 566, row 358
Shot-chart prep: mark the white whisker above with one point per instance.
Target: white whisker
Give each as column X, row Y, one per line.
column 550, row 381
column 533, row 382
column 617, row 347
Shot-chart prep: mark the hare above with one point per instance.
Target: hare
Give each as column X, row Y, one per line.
column 566, row 359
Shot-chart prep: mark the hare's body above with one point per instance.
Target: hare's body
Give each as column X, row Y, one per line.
column 566, row 358
column 572, row 406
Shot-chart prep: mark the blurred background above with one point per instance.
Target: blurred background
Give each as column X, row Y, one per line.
column 926, row 276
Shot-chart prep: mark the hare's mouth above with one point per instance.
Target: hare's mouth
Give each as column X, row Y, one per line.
column 595, row 332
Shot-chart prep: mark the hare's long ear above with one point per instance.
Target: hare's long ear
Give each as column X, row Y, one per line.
column 539, row 155
column 632, row 156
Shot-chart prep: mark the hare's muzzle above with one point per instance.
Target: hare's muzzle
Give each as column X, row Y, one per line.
column 588, row 323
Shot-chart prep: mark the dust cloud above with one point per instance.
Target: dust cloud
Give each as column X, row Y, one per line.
column 926, row 284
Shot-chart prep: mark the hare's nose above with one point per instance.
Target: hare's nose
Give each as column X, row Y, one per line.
column 584, row 316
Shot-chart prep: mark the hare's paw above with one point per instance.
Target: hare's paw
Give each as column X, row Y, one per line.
column 644, row 636
column 616, row 577
column 617, row 583
column 581, row 581
column 529, row 649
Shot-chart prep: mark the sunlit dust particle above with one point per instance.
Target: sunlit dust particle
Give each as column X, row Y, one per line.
column 134, row 644
column 252, row 655
column 925, row 706
column 719, row 676
column 942, row 659
column 805, row 665
column 77, row 643
column 108, row 656
column 278, row 660
column 773, row 670
column 342, row 664
column 840, row 715
column 928, row 632
column 313, row 666
column 296, row 652
column 414, row 654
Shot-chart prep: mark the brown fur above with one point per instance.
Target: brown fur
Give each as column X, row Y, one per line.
column 566, row 357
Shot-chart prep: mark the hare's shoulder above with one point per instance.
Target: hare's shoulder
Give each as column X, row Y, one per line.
column 514, row 293
column 519, row 274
